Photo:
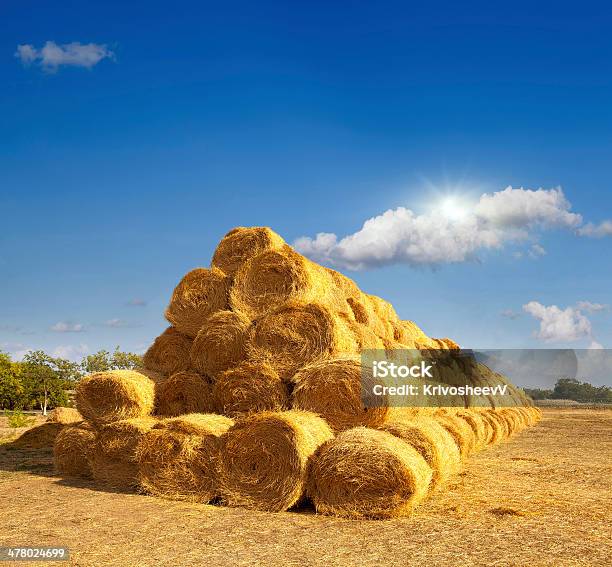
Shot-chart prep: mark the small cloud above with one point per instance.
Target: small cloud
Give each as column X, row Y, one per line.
column 517, row 255
column 536, row 251
column 559, row 325
column 137, row 302
column 71, row 352
column 510, row 314
column 590, row 307
column 596, row 230
column 595, row 346
column 118, row 324
column 67, row 327
column 52, row 56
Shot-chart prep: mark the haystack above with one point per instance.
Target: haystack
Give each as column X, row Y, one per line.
column 113, row 459
column 298, row 334
column 432, row 441
column 481, row 428
column 183, row 392
column 39, row 437
column 365, row 473
column 264, row 456
column 243, row 243
column 169, row 353
column 333, row 389
column 220, row 343
column 64, row 416
column 461, row 432
column 248, row 388
column 105, row 397
column 72, row 450
column 177, row 457
column 198, row 295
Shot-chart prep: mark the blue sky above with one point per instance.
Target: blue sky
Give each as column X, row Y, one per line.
column 120, row 174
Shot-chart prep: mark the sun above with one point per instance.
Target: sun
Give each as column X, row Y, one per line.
column 452, row 208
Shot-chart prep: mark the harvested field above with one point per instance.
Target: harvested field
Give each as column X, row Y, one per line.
column 543, row 498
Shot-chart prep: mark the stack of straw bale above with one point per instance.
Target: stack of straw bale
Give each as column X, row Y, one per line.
column 252, row 397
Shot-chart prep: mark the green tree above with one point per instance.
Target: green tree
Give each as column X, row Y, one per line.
column 103, row 361
column 46, row 379
column 12, row 394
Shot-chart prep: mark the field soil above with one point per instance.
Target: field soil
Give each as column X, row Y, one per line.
column 543, row 498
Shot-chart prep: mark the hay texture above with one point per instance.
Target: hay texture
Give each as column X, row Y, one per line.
column 249, row 388
column 64, row 416
column 177, row 458
column 220, row 343
column 182, row 393
column 461, row 432
column 198, row 295
column 243, row 243
column 113, row 459
column 298, row 334
column 263, row 459
column 39, row 437
column 481, row 428
column 432, row 441
column 333, row 389
column 72, row 451
column 105, row 397
column 169, row 353
column 365, row 473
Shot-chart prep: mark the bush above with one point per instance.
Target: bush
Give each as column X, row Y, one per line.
column 17, row 418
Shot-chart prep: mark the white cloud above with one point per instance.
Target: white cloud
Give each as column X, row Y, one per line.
column 71, row 352
column 595, row 346
column 52, row 56
column 67, row 327
column 510, row 314
column 442, row 235
column 118, row 323
column 536, row 251
column 596, row 230
column 559, row 325
column 590, row 307
column 137, row 302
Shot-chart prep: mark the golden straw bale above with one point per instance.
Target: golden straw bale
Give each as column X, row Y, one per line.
column 332, row 388
column 365, row 473
column 72, row 450
column 461, row 432
column 249, row 387
column 104, row 397
column 183, row 392
column 263, row 458
column 64, row 416
column 198, row 295
column 497, row 428
column 169, row 353
column 480, row 427
column 432, row 441
column 39, row 437
column 177, row 458
column 220, row 343
column 297, row 334
column 504, row 428
column 242, row 243
column 113, row 459
column 275, row 277
column 365, row 337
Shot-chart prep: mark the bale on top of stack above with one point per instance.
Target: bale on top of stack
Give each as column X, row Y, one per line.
column 271, row 339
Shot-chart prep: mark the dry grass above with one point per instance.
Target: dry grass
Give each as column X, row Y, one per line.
column 555, row 477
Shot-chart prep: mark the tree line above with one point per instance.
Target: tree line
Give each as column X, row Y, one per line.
column 41, row 381
column 572, row 389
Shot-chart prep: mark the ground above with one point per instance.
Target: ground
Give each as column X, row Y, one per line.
column 543, row 498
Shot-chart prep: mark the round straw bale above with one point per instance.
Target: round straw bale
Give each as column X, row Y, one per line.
column 113, row 459
column 169, row 353
column 220, row 343
column 333, row 389
column 198, row 295
column 263, row 458
column 512, row 418
column 183, row 392
column 297, row 334
column 479, row 426
column 40, row 437
column 495, row 426
column 366, row 338
column 248, row 388
column 64, row 416
column 275, row 277
column 242, row 243
column 72, row 450
column 500, row 422
column 104, row 397
column 177, row 458
column 461, row 432
column 432, row 441
column 365, row 473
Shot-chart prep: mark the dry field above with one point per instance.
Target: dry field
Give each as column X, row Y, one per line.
column 542, row 498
